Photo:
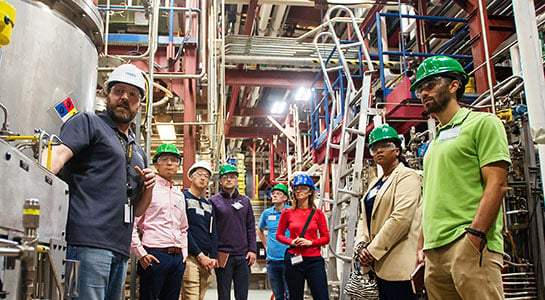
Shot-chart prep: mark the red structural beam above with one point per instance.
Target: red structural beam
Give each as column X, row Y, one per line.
column 279, row 79
column 190, row 99
column 250, row 18
column 496, row 33
column 256, row 112
column 231, row 110
column 252, row 132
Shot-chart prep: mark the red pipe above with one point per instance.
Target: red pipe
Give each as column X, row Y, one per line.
column 271, row 162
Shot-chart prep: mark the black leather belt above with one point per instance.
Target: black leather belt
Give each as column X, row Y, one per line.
column 169, row 250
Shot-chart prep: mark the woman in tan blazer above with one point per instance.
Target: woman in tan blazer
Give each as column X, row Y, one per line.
column 390, row 220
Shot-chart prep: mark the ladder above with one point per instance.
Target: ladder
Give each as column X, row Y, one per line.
column 347, row 181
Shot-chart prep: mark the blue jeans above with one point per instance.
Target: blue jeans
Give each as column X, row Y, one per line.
column 162, row 280
column 277, row 278
column 236, row 270
column 102, row 272
column 392, row 290
column 312, row 269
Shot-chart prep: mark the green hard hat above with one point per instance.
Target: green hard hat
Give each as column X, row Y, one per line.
column 383, row 132
column 228, row 168
column 281, row 187
column 439, row 65
column 166, row 148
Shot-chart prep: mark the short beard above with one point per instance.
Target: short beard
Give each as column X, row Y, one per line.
column 118, row 116
column 441, row 101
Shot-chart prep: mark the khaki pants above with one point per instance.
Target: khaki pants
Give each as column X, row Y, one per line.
column 196, row 280
column 453, row 272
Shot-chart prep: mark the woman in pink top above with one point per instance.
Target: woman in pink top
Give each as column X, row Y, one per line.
column 303, row 259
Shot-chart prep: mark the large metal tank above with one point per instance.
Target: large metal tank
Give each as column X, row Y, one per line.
column 53, row 54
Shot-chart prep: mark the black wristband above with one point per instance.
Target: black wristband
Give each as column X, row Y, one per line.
column 476, row 232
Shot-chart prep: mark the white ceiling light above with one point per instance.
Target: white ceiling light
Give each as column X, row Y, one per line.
column 303, row 94
column 167, row 133
column 278, row 107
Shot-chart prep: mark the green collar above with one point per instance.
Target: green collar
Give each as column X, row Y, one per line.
column 458, row 119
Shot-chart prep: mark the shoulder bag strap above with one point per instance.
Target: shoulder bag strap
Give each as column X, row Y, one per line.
column 306, row 224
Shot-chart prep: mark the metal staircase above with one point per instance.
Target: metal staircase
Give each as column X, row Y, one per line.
column 347, row 180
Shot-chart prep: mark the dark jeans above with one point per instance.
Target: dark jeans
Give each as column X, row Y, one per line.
column 277, row 278
column 393, row 290
column 162, row 280
column 236, row 270
column 313, row 270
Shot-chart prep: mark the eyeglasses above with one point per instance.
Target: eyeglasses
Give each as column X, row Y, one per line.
column 301, row 188
column 277, row 193
column 172, row 159
column 429, row 85
column 202, row 175
column 382, row 145
column 132, row 93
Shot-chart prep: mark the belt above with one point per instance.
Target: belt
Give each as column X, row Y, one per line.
column 169, row 250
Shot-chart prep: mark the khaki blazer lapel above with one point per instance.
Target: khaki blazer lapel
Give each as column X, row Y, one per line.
column 385, row 187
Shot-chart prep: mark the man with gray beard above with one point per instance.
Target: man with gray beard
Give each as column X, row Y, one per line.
column 109, row 182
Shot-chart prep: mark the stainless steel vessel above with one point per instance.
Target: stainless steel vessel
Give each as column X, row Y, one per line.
column 53, row 54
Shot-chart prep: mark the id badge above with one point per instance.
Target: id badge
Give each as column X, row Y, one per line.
column 272, row 218
column 199, row 211
column 127, row 214
column 237, row 205
column 296, row 259
column 179, row 205
column 373, row 192
column 449, row 134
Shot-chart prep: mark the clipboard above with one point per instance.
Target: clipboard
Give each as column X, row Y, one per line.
column 222, row 259
column 417, row 279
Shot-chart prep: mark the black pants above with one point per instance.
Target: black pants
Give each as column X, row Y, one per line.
column 237, row 271
column 392, row 290
column 163, row 280
column 313, row 270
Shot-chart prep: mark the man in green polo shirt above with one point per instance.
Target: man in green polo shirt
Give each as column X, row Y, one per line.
column 465, row 179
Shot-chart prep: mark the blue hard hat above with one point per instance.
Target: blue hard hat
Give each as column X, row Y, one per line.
column 303, row 179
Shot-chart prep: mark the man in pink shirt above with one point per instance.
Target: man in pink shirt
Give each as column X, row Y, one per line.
column 162, row 248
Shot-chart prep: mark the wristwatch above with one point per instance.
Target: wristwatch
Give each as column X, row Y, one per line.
column 482, row 235
column 476, row 232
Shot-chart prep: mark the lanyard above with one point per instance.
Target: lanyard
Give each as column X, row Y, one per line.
column 128, row 152
column 128, row 157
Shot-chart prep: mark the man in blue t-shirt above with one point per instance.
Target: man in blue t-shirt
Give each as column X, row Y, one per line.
column 275, row 250
column 106, row 171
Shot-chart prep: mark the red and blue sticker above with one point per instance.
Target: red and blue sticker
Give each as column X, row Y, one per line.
column 66, row 109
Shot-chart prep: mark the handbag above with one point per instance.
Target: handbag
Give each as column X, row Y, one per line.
column 361, row 286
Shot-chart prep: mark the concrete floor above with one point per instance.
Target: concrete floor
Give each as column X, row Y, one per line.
column 212, row 294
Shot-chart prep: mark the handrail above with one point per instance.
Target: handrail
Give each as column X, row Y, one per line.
column 358, row 32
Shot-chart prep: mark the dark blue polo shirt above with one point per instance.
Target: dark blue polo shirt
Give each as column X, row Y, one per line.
column 97, row 177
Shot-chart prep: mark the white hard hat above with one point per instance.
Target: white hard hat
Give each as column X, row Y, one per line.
column 128, row 74
column 200, row 164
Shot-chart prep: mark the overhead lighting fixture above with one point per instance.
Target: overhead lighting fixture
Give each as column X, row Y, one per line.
column 303, row 94
column 278, row 107
column 167, row 133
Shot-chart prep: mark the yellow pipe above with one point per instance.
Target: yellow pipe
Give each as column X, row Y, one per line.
column 49, row 152
column 256, row 195
column 21, row 137
column 165, row 90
